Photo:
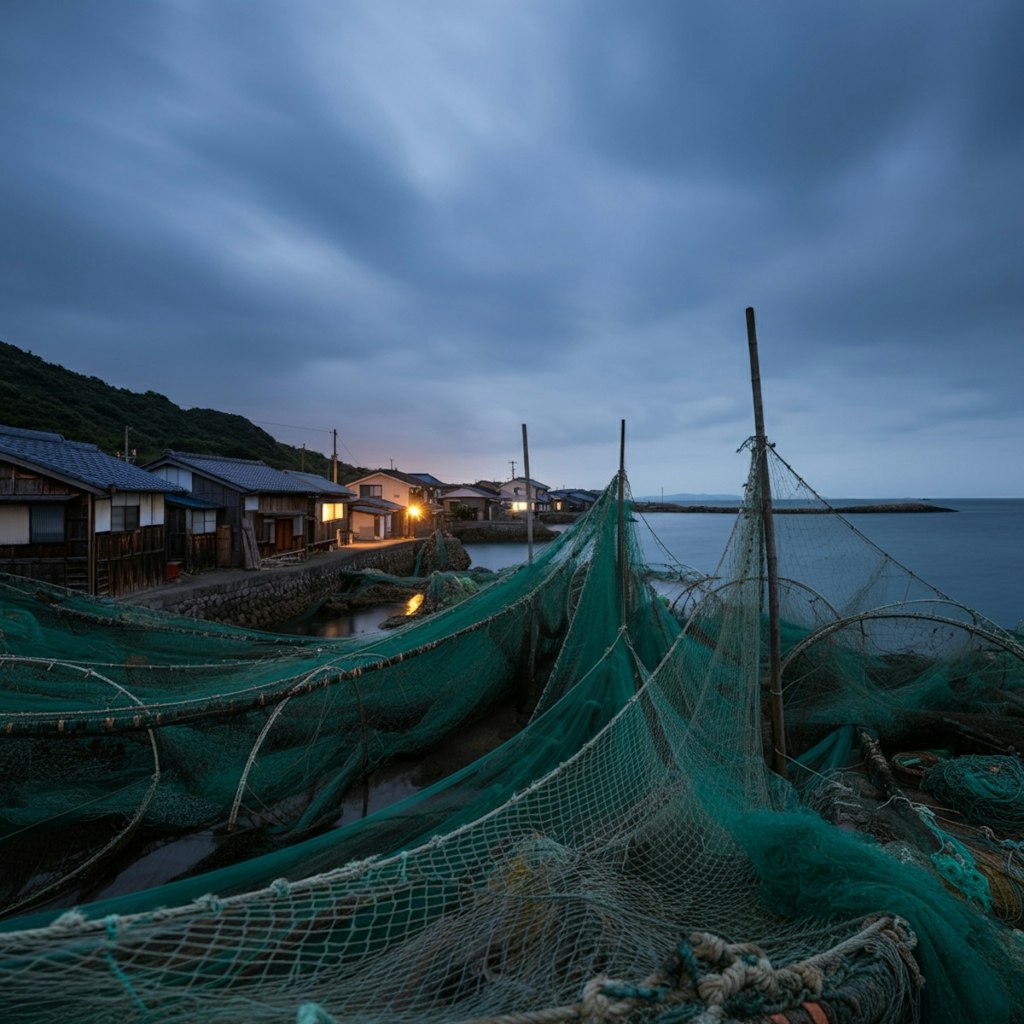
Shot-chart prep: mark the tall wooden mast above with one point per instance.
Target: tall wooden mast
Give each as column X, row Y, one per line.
column 771, row 562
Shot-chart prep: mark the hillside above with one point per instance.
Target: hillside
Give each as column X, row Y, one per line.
column 38, row 395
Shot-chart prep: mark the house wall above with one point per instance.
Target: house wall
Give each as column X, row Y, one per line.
column 124, row 562
column 480, row 505
column 392, row 489
column 328, row 518
column 514, row 492
column 368, row 527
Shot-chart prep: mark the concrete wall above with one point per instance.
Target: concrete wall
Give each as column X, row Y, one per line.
column 269, row 597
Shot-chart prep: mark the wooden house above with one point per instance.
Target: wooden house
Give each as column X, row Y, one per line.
column 191, row 532
column 330, row 524
column 264, row 511
column 75, row 516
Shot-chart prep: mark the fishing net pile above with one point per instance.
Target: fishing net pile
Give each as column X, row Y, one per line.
column 643, row 864
column 121, row 726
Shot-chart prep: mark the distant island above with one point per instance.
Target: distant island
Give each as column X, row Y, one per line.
column 779, row 509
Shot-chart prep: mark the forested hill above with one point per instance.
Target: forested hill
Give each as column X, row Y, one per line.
column 38, row 395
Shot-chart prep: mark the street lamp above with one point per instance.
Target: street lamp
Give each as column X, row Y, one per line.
column 414, row 513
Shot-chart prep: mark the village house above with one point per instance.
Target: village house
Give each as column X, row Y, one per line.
column 472, row 501
column 264, row 512
column 514, row 499
column 329, row 525
column 74, row 516
column 410, row 502
column 572, row 501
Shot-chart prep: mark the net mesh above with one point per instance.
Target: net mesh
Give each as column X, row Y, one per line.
column 640, row 863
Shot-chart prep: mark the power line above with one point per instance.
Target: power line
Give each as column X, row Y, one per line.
column 291, row 426
column 321, row 430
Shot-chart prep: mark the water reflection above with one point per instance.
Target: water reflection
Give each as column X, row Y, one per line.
column 365, row 620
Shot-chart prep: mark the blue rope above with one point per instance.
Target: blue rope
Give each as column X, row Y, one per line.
column 117, row 971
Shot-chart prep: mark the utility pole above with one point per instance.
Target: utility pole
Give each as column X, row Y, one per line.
column 512, row 463
column 529, row 499
column 334, row 455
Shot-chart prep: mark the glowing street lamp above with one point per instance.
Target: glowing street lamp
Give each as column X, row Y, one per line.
column 414, row 513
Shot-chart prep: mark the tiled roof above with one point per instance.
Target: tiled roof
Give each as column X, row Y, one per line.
column 77, row 461
column 470, row 490
column 321, row 484
column 376, row 506
column 415, row 479
column 248, row 475
column 429, row 479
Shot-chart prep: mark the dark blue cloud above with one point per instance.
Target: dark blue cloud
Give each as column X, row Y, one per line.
column 436, row 222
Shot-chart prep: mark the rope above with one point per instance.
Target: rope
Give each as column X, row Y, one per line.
column 706, row 979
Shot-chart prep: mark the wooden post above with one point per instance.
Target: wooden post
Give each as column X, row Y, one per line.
column 334, row 455
column 529, row 501
column 621, row 551
column 771, row 561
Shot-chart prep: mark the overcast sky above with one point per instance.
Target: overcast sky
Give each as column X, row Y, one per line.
column 426, row 223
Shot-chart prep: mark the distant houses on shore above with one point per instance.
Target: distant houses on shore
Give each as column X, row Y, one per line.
column 75, row 516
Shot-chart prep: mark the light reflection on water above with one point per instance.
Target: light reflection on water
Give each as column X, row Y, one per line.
column 365, row 620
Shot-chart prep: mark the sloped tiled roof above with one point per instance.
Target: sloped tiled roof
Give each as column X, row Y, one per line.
column 416, row 480
column 77, row 462
column 321, row 484
column 428, row 478
column 536, row 484
column 247, row 475
column 376, row 506
column 471, row 491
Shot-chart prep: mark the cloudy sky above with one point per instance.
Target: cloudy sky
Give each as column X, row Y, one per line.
column 424, row 223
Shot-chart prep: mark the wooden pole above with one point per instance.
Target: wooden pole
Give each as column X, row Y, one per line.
column 529, row 500
column 771, row 561
column 621, row 561
column 334, row 455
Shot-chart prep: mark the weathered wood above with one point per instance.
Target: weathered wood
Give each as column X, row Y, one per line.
column 771, row 562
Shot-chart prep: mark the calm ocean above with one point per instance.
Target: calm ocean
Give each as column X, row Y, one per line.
column 975, row 554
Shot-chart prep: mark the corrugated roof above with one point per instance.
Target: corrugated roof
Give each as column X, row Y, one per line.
column 78, row 462
column 248, row 475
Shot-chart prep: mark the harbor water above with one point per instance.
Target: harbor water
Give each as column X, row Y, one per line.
column 974, row 554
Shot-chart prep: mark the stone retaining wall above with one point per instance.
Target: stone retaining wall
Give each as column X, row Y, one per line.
column 269, row 598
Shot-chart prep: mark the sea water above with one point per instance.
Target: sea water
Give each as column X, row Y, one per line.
column 974, row 554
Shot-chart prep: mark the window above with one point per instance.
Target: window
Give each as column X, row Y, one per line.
column 124, row 518
column 371, row 490
column 332, row 511
column 47, row 524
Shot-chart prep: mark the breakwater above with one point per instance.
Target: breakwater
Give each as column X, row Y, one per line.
column 780, row 509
